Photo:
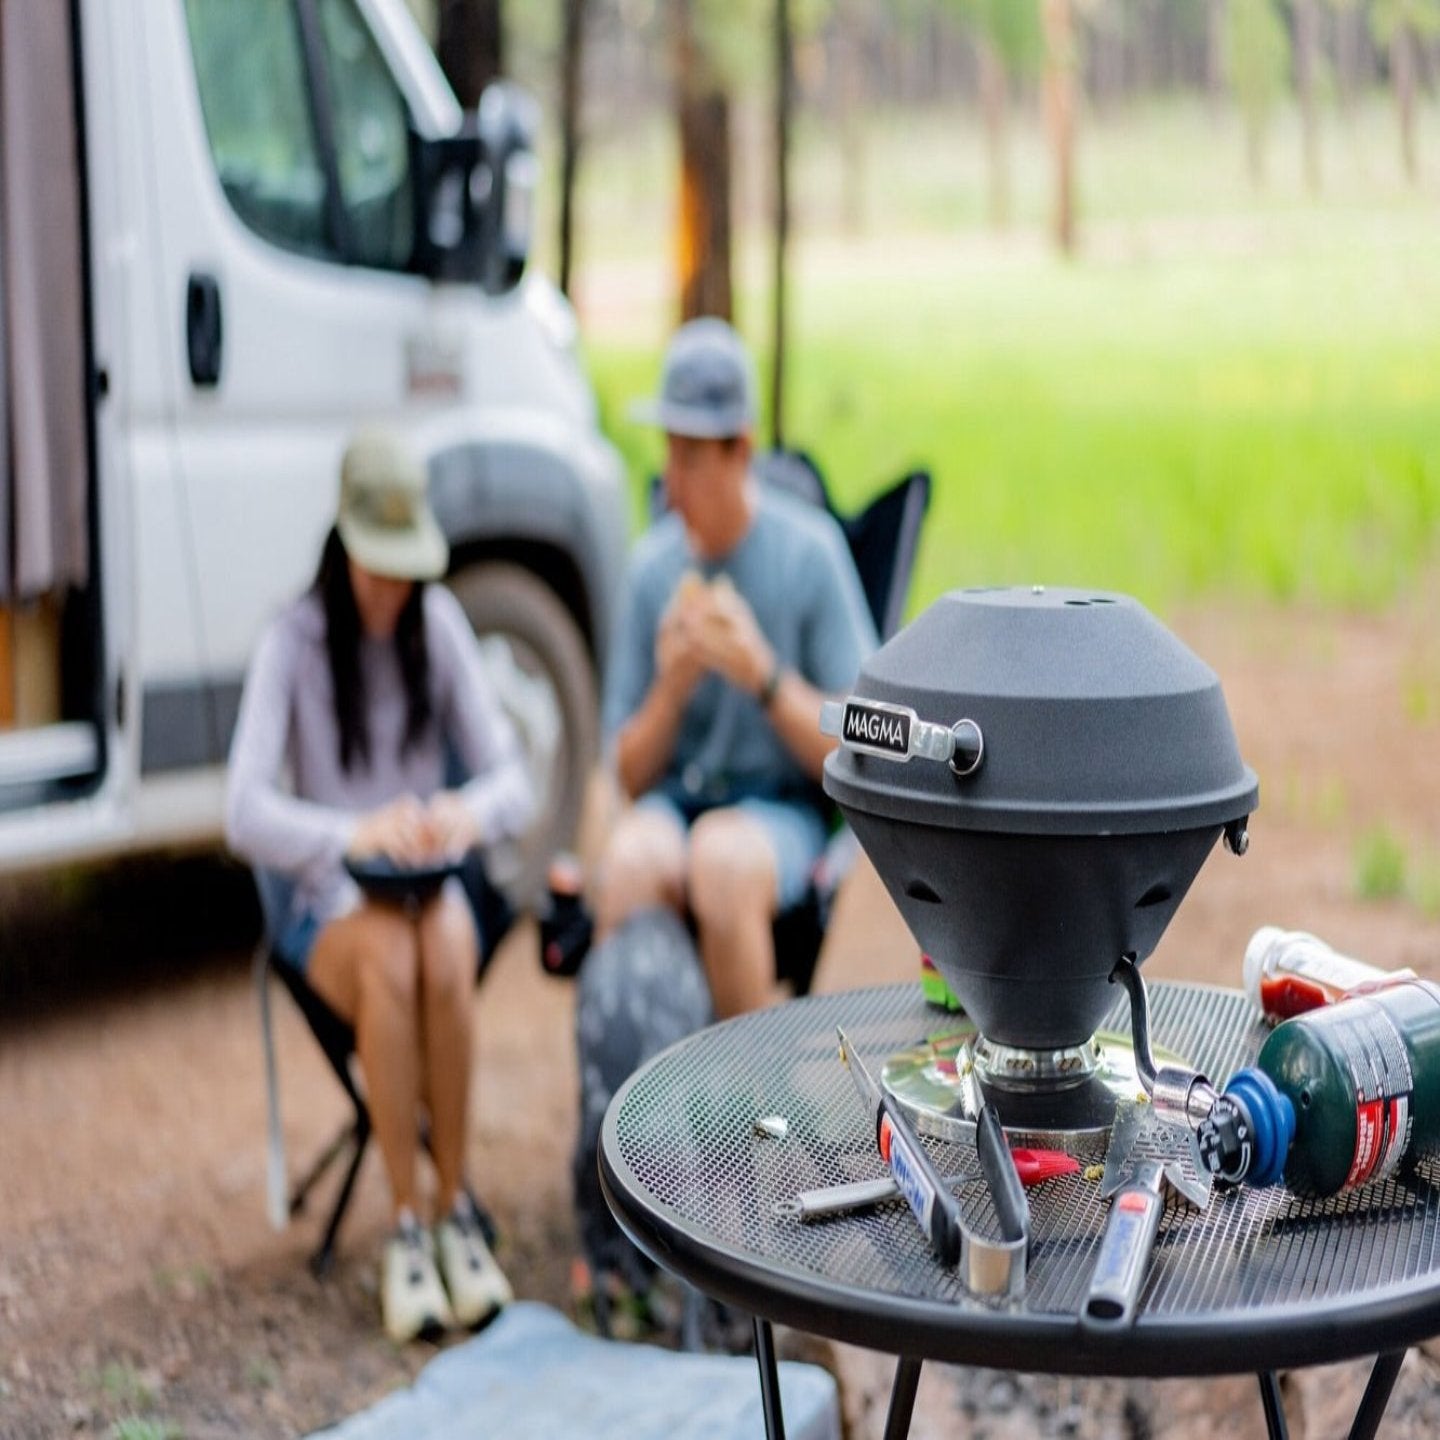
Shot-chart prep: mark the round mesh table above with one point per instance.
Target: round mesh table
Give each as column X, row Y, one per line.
column 1260, row 1281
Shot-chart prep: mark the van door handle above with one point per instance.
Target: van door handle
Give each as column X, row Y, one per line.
column 203, row 329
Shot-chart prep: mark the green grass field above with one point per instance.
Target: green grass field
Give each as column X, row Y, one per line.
column 1226, row 390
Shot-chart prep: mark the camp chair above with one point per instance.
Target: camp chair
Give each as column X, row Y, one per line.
column 883, row 540
column 337, row 1041
column 883, row 537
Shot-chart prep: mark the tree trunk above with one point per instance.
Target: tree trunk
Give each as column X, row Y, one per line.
column 1215, row 56
column 572, row 52
column 851, row 87
column 1255, row 147
column 1347, row 58
column 1143, row 45
column 1402, row 71
column 1307, row 21
column 470, row 46
column 784, row 104
column 1098, row 81
column 1059, row 21
column 703, row 236
column 995, row 103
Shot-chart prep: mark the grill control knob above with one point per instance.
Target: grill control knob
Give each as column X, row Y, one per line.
column 969, row 747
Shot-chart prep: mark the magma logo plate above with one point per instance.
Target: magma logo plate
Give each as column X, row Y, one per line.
column 895, row 732
column 877, row 729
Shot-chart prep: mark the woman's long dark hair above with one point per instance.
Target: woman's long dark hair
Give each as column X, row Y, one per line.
column 342, row 645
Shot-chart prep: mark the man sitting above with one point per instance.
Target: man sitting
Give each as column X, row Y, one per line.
column 743, row 613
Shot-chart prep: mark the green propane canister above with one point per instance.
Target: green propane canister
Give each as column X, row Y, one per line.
column 1336, row 1098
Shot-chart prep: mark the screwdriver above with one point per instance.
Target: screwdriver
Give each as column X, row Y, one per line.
column 1033, row 1166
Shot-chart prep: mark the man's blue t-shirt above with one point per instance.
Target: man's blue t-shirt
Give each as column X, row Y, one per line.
column 793, row 569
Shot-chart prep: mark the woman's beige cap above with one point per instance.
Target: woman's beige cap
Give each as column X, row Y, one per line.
column 385, row 521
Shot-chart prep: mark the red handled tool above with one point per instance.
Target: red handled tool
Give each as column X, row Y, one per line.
column 1033, row 1167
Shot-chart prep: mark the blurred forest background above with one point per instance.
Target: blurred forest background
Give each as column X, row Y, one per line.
column 1151, row 286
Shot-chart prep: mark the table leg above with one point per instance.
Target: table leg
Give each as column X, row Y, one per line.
column 902, row 1398
column 769, row 1380
column 1274, row 1407
column 1377, row 1395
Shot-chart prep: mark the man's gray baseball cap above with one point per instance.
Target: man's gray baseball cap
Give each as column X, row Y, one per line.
column 707, row 388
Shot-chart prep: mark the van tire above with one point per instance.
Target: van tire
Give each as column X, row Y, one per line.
column 512, row 603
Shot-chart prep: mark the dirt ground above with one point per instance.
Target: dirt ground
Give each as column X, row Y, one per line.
column 139, row 1277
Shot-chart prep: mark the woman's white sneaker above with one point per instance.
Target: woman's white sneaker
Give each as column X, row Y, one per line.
column 477, row 1285
column 412, row 1299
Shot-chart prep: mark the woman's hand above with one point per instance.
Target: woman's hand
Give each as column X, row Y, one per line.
column 400, row 831
column 452, row 825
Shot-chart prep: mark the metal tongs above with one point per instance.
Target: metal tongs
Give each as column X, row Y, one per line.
column 987, row 1266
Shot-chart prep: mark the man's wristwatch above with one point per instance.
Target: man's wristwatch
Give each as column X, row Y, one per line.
column 765, row 695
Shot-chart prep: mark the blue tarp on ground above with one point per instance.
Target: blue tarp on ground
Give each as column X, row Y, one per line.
column 531, row 1373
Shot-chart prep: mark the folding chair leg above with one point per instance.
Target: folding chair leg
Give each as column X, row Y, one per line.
column 324, row 1257
column 488, row 1228
column 346, row 1139
column 276, row 1206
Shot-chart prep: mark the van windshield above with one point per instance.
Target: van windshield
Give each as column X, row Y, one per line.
column 372, row 146
column 307, row 128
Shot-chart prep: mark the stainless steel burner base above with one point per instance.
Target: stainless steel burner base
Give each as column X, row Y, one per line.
column 1055, row 1097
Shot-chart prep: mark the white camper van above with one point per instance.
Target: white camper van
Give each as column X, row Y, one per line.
column 230, row 230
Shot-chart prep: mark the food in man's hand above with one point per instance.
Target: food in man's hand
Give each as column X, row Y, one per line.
column 722, row 594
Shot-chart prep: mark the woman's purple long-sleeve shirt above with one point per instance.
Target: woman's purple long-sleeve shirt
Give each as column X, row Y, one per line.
column 287, row 728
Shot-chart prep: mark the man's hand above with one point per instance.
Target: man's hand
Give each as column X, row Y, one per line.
column 730, row 640
column 679, row 662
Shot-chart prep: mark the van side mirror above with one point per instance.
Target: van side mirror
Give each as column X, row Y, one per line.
column 509, row 119
column 475, row 193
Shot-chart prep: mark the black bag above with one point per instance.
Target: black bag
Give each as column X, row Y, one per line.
column 639, row 991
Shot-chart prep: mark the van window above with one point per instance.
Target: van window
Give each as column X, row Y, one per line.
column 250, row 67
column 372, row 145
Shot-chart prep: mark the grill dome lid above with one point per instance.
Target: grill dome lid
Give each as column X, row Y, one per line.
column 1072, row 712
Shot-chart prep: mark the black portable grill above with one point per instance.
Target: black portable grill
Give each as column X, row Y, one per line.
column 1038, row 775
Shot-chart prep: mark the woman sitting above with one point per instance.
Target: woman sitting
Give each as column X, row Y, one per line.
column 352, row 695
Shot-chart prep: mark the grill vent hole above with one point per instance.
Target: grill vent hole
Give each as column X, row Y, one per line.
column 919, row 890
column 1155, row 895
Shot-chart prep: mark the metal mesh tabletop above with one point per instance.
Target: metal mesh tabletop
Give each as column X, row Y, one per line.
column 1261, row 1280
